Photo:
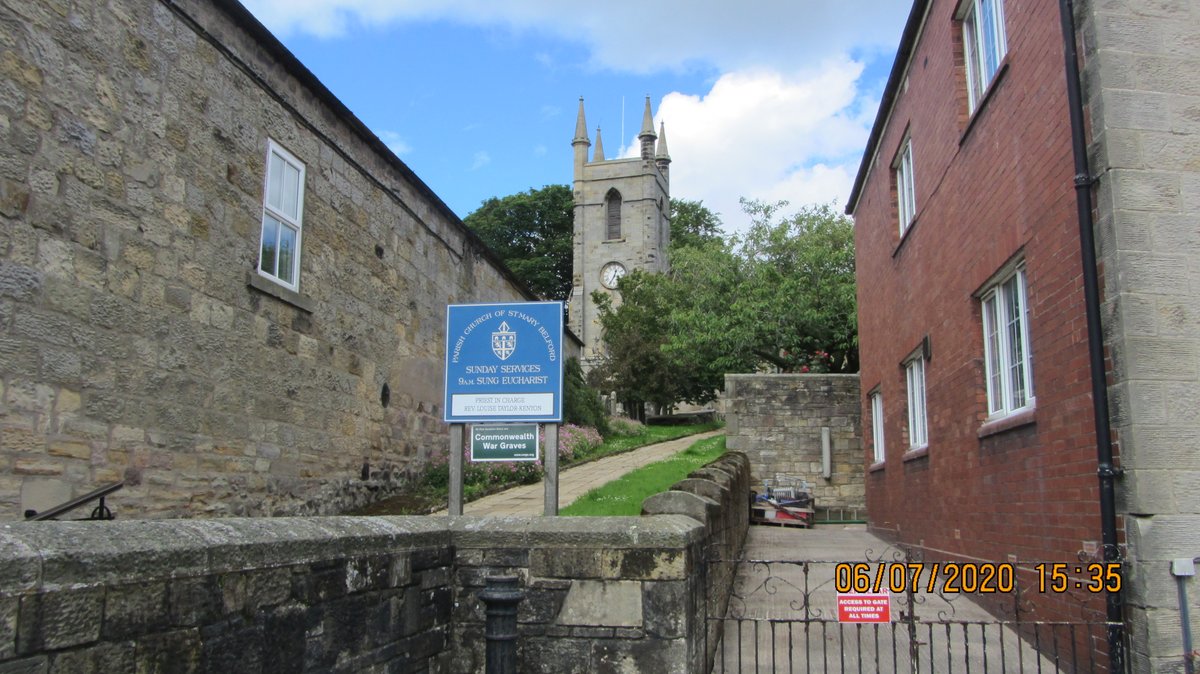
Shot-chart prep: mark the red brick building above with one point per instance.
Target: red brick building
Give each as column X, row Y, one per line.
column 979, row 425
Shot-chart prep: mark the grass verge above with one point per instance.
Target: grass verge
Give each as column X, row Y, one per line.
column 422, row 498
column 624, row 495
column 650, row 435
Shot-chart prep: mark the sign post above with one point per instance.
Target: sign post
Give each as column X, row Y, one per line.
column 455, row 507
column 551, row 469
column 504, row 364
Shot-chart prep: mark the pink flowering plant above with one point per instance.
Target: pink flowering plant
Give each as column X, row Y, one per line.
column 481, row 477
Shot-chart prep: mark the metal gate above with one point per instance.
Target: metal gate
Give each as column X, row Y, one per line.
column 784, row 616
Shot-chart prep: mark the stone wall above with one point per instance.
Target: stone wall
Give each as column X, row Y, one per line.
column 137, row 342
column 776, row 419
column 718, row 496
column 348, row 594
column 1139, row 65
column 375, row 594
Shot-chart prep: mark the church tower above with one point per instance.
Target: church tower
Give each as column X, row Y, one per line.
column 622, row 221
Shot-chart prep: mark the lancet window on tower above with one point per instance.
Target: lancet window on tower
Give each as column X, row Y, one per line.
column 612, row 210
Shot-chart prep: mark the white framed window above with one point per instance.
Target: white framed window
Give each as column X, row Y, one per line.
column 918, row 437
column 906, row 195
column 984, row 45
column 283, row 216
column 1007, row 356
column 877, row 425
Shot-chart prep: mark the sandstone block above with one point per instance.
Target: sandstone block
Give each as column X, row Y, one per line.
column 597, row 603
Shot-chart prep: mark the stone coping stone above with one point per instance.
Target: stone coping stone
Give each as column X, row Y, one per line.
column 812, row 376
column 694, row 506
column 626, row 532
column 55, row 555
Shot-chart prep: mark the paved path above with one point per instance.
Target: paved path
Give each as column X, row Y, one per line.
column 574, row 482
column 783, row 617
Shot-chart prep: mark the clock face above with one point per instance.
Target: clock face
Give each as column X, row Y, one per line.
column 611, row 273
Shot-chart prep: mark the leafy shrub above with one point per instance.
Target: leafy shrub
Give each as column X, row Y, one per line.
column 575, row 442
column 582, row 405
column 624, row 427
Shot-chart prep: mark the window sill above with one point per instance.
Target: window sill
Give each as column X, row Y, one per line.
column 914, row 454
column 983, row 100
column 1025, row 417
column 620, row 240
column 904, row 237
column 876, row 467
column 268, row 287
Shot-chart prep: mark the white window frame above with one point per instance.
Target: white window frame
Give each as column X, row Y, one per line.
column 877, row 426
column 906, row 192
column 278, row 215
column 1007, row 357
column 985, row 45
column 918, row 426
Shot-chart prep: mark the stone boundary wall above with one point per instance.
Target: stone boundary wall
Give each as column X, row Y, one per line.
column 776, row 419
column 348, row 594
column 717, row 495
column 374, row 594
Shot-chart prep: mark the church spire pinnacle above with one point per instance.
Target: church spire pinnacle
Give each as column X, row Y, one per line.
column 647, row 135
column 581, row 127
column 598, row 153
column 662, row 156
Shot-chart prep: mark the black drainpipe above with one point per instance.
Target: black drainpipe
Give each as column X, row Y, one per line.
column 1091, row 293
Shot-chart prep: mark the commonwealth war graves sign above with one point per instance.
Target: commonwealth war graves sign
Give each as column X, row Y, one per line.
column 504, row 362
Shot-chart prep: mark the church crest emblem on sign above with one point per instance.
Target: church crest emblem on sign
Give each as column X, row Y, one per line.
column 504, row 342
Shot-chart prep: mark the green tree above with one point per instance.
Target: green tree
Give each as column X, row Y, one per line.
column 531, row 232
column 581, row 403
column 635, row 367
column 693, row 224
column 783, row 295
column 798, row 304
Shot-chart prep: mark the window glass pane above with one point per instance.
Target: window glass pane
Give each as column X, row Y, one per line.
column 287, row 253
column 275, row 181
column 991, row 333
column 920, row 369
column 988, row 35
column 970, row 58
column 1016, row 346
column 270, row 229
column 877, row 425
column 291, row 191
column 916, row 403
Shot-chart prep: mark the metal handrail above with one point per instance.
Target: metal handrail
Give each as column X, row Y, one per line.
column 100, row 512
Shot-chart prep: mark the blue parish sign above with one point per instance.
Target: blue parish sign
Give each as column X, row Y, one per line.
column 504, row 362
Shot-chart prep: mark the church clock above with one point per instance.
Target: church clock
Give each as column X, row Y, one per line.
column 611, row 273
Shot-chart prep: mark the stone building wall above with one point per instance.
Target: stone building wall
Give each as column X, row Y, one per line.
column 1143, row 97
column 776, row 419
column 376, row 593
column 137, row 343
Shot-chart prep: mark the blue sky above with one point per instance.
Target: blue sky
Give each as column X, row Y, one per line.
column 770, row 99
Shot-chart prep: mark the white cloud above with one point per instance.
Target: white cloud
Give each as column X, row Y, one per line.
column 395, row 143
column 539, row 150
column 785, row 117
column 763, row 135
column 481, row 159
column 634, row 35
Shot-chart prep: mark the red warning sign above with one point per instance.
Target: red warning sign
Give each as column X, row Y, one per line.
column 864, row 608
